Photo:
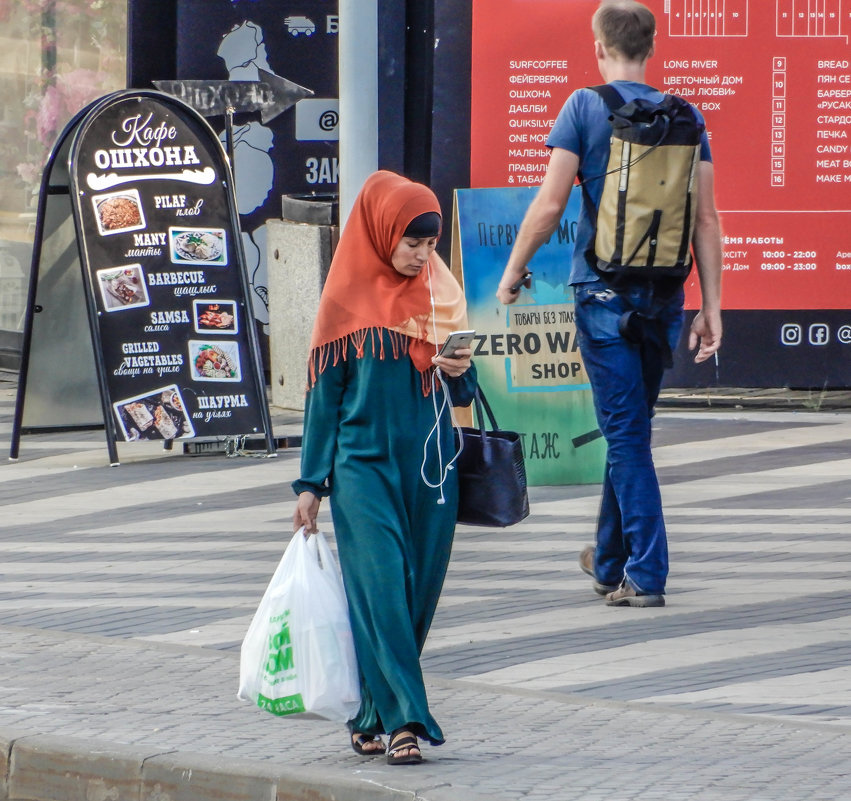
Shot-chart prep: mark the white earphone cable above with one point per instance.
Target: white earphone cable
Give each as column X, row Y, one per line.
column 438, row 413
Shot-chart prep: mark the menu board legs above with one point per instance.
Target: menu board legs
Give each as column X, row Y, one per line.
column 57, row 383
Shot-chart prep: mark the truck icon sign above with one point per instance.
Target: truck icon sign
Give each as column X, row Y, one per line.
column 297, row 25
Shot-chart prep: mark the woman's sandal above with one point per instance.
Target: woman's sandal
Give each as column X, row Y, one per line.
column 403, row 740
column 359, row 741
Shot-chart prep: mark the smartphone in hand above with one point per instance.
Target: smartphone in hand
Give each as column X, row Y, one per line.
column 456, row 340
column 516, row 287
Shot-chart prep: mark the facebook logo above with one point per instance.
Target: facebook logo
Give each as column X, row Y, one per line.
column 819, row 334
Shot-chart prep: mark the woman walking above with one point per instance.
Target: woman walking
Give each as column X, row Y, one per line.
column 378, row 442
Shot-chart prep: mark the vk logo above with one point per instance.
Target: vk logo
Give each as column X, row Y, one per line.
column 791, row 334
column 819, row 334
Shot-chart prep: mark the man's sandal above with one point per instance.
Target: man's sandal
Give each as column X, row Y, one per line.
column 359, row 741
column 403, row 740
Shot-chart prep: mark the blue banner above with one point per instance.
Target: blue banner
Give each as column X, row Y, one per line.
column 527, row 354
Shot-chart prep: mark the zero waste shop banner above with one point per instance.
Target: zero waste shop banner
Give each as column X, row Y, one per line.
column 526, row 354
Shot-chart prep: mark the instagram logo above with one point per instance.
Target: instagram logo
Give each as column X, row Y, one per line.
column 791, row 334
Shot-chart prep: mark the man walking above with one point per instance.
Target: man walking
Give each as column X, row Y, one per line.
column 626, row 328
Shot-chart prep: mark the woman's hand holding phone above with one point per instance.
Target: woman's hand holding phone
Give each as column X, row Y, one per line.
column 454, row 357
column 456, row 365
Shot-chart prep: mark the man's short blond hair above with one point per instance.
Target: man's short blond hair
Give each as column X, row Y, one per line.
column 625, row 27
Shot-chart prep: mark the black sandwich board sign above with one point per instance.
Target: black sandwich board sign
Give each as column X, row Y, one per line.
column 160, row 278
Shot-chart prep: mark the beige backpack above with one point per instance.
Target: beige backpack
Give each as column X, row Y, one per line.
column 646, row 214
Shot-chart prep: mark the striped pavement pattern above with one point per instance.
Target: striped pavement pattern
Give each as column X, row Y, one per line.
column 177, row 549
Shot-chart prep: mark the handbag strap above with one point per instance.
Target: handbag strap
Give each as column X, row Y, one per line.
column 482, row 401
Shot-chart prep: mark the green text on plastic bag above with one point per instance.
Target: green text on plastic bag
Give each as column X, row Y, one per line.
column 280, row 655
column 291, row 705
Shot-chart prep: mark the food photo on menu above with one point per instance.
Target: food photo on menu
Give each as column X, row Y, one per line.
column 214, row 361
column 118, row 212
column 198, row 246
column 215, row 316
column 155, row 415
column 123, row 287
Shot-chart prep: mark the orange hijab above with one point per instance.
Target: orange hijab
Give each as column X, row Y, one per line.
column 363, row 293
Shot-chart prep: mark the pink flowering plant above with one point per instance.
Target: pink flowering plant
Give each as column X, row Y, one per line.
column 83, row 56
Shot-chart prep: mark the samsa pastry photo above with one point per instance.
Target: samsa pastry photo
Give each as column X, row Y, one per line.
column 215, row 316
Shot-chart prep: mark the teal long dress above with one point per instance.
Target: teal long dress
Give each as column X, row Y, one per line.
column 365, row 427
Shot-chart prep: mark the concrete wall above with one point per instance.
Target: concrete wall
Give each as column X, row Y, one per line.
column 299, row 256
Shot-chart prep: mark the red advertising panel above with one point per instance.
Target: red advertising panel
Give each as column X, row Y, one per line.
column 773, row 80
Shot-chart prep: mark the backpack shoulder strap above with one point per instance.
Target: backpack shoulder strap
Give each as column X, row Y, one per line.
column 611, row 96
column 613, row 100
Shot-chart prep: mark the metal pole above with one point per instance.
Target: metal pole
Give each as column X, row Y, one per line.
column 229, row 112
column 419, row 88
column 358, row 60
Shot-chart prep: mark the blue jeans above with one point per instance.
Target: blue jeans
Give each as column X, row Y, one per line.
column 625, row 378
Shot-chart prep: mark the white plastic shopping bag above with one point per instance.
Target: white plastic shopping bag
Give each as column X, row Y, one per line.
column 298, row 654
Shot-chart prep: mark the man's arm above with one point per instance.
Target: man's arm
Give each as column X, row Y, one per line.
column 706, row 327
column 541, row 219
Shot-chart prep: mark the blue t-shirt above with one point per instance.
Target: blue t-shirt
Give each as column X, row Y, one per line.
column 583, row 128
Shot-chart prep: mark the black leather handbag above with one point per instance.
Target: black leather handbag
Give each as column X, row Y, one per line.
column 491, row 473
